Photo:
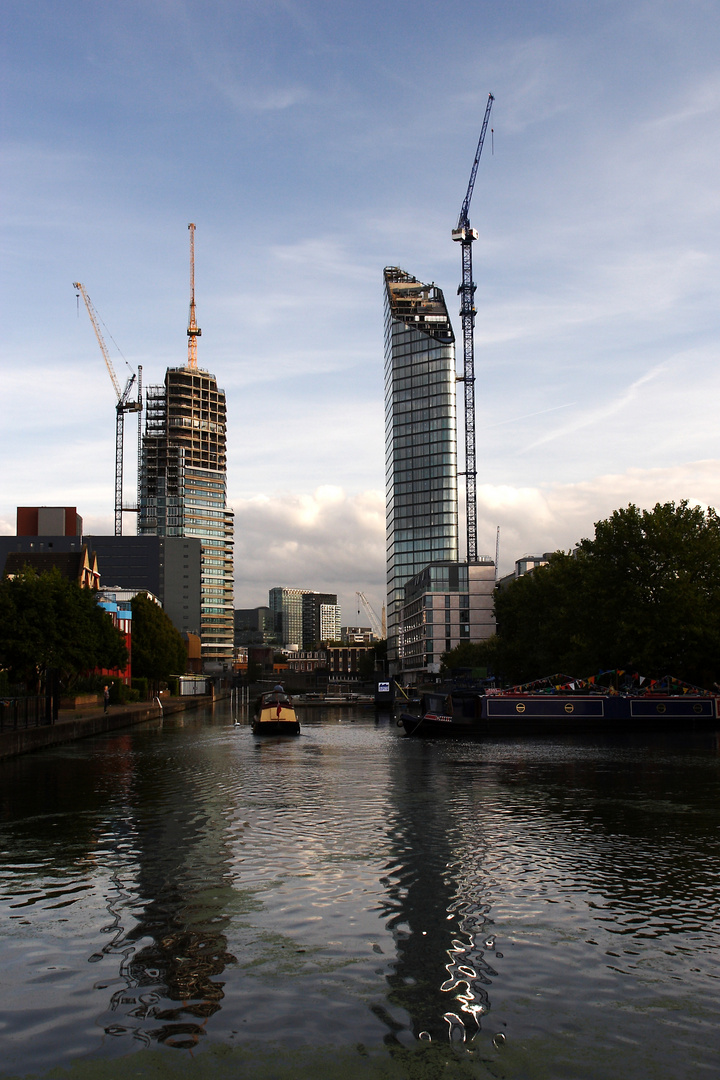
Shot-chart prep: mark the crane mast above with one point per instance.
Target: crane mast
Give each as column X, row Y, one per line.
column 193, row 331
column 465, row 236
column 123, row 404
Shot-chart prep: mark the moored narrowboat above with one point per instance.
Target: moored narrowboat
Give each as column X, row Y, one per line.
column 473, row 714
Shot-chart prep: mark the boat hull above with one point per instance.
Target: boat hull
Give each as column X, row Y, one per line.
column 275, row 727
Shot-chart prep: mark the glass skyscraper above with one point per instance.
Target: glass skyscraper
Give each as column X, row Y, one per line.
column 420, row 439
column 183, row 491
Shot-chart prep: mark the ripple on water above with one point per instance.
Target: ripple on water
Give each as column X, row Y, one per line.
column 193, row 885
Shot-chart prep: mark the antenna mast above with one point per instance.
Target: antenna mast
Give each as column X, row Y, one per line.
column 193, row 331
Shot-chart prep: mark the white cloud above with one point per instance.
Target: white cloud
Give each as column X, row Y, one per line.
column 329, row 540
column 334, row 541
column 553, row 517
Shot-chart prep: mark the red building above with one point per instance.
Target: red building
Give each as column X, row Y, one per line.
column 48, row 521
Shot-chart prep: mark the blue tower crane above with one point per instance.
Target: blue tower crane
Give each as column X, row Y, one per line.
column 465, row 236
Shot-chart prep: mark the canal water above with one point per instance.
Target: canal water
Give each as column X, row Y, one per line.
column 185, row 899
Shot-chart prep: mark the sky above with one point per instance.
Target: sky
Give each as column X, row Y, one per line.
column 314, row 142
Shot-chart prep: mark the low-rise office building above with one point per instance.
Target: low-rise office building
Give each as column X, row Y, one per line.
column 445, row 604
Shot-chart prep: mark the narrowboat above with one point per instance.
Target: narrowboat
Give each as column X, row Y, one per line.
column 275, row 714
column 565, row 709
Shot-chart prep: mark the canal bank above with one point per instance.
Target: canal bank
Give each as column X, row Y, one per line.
column 82, row 723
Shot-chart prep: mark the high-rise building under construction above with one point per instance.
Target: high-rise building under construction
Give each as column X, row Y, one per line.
column 183, row 491
column 183, row 485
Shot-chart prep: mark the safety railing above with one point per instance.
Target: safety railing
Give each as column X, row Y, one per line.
column 23, row 712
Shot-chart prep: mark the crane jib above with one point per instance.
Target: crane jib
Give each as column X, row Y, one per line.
column 463, row 220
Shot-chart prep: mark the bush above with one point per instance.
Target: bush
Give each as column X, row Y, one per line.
column 142, row 685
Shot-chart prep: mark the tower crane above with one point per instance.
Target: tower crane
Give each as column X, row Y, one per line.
column 465, row 236
column 124, row 405
column 193, row 330
column 378, row 626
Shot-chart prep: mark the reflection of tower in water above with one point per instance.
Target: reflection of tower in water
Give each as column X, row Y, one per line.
column 438, row 908
column 170, row 985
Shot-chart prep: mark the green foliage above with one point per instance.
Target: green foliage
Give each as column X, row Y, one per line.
column 373, row 660
column 643, row 594
column 477, row 656
column 158, row 649
column 142, row 686
column 49, row 622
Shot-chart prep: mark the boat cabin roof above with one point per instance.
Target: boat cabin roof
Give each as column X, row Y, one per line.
column 276, row 697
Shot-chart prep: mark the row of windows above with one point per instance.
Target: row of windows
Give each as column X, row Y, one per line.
column 429, row 616
column 412, row 344
column 462, row 598
column 445, row 424
column 421, row 477
column 438, row 497
column 434, row 405
column 421, row 534
column 439, row 481
column 420, row 449
column 407, row 564
column 410, row 547
column 404, row 380
column 412, row 422
column 464, row 633
column 403, row 399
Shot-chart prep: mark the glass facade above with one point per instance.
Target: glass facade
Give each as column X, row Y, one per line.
column 304, row 618
column 445, row 605
column 420, row 439
column 183, row 491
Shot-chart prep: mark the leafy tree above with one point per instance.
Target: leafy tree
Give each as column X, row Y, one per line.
column 644, row 593
column 49, row 622
column 469, row 655
column 373, row 659
column 158, row 648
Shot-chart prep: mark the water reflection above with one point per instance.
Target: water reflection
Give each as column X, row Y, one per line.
column 172, row 948
column 150, row 835
column 461, row 903
column 437, row 908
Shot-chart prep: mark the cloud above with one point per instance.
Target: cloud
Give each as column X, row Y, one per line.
column 332, row 540
column 246, row 98
column 616, row 405
column 552, row 517
column 328, row 540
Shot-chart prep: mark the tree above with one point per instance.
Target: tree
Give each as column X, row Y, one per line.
column 48, row 622
column 644, row 593
column 469, row 655
column 158, row 648
column 375, row 659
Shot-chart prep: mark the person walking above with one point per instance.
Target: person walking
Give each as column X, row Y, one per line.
column 106, row 697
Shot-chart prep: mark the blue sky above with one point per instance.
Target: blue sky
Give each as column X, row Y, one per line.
column 313, row 143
